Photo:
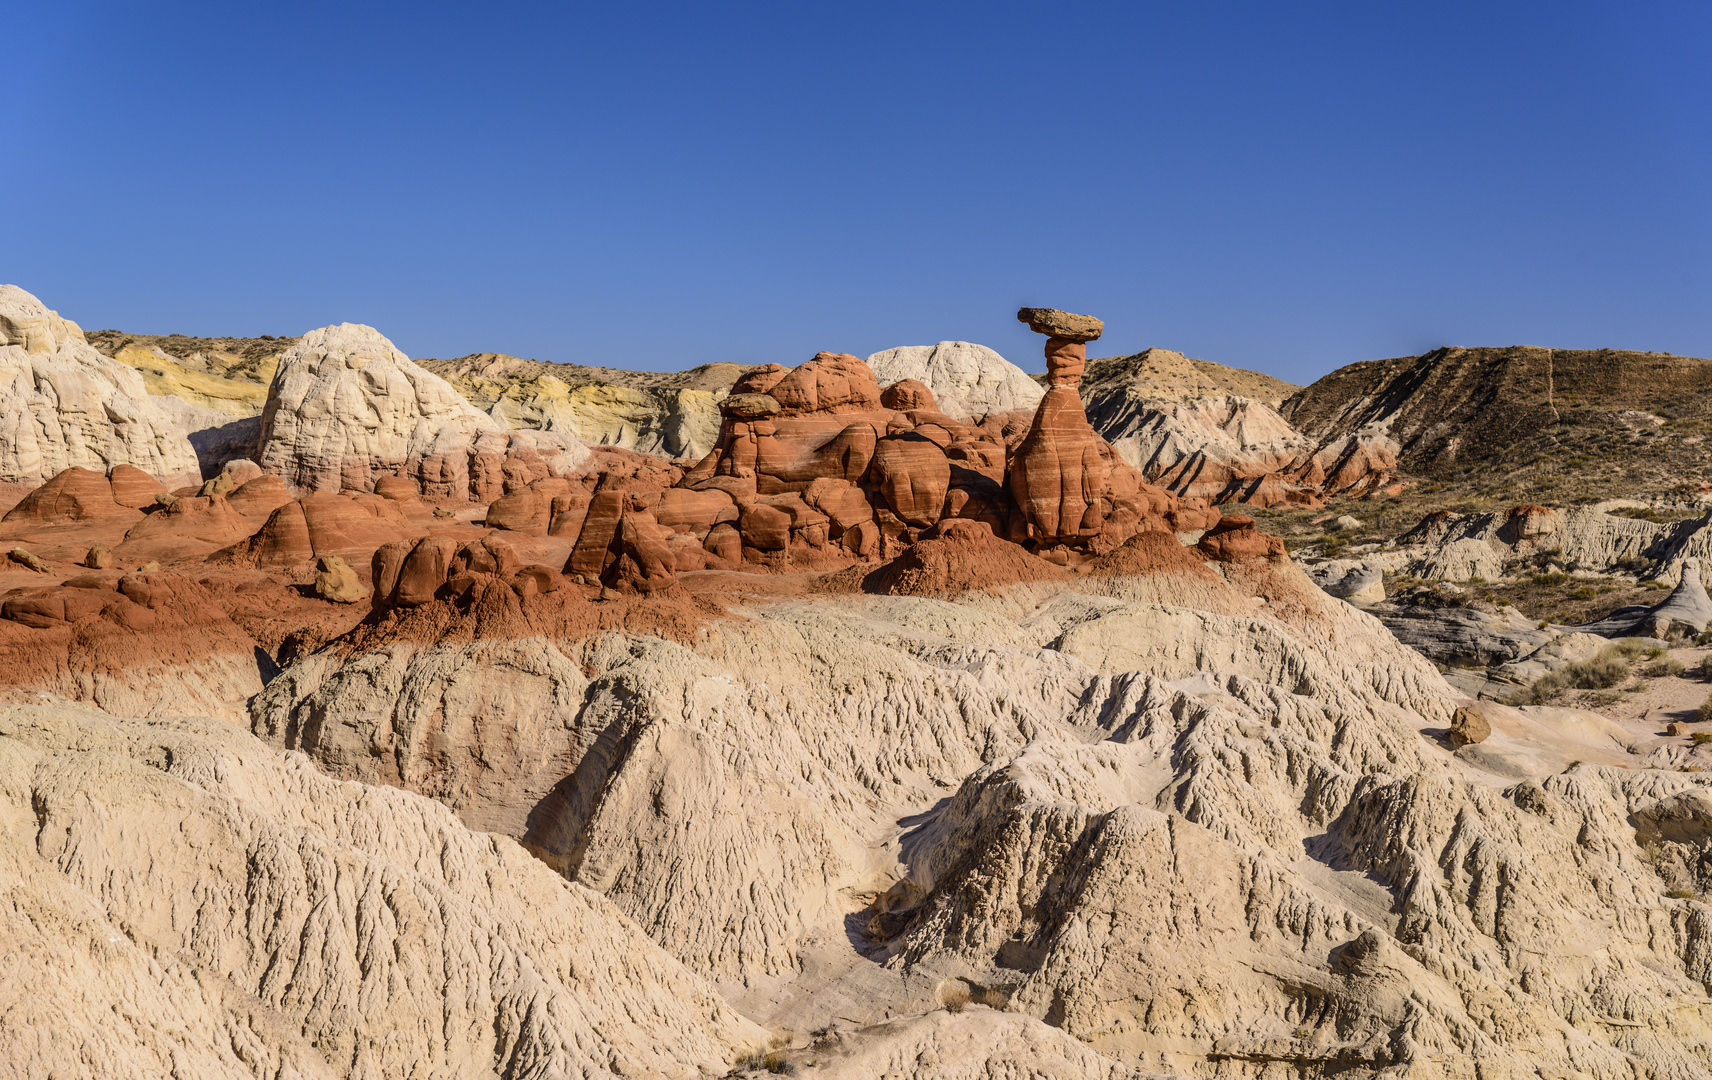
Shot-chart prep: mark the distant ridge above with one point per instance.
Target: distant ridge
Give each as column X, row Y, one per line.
column 1552, row 421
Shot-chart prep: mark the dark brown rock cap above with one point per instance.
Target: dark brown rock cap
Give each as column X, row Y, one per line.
column 1061, row 324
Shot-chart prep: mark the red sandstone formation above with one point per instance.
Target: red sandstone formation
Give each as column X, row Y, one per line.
column 320, row 524
column 1235, row 539
column 192, row 527
column 1527, row 524
column 817, row 468
column 80, row 495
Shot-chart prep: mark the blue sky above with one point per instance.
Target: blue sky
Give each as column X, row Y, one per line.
column 1288, row 187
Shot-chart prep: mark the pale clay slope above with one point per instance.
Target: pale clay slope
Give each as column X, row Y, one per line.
column 1197, row 842
column 62, row 404
column 183, row 901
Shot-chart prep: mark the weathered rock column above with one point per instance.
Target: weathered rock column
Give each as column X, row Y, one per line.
column 1058, row 473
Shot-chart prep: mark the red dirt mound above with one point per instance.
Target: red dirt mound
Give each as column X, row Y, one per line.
column 106, row 623
column 956, row 557
column 1151, row 552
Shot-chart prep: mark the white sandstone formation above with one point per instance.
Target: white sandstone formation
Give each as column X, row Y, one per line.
column 180, row 900
column 1203, row 827
column 1203, row 446
column 668, row 422
column 1456, row 547
column 967, row 380
column 1208, row 431
column 346, row 408
column 62, row 404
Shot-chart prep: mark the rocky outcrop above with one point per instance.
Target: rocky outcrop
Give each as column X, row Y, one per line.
column 299, row 532
column 63, row 404
column 1204, row 430
column 346, row 408
column 1685, row 613
column 186, row 901
column 1456, row 547
column 1463, row 637
column 1358, row 582
column 1070, row 488
column 136, row 644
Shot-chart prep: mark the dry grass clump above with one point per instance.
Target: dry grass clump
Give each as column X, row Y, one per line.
column 1610, row 668
column 954, row 995
column 1667, row 667
column 771, row 1060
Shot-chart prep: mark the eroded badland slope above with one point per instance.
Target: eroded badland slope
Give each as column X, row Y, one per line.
column 909, row 729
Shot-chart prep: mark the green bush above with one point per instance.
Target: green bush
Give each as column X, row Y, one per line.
column 1701, row 738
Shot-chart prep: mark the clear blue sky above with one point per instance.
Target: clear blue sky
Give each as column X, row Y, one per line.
column 1284, row 186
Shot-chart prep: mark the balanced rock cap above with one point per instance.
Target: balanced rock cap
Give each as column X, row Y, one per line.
column 1061, row 324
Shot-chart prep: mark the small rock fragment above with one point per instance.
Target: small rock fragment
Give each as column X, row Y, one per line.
column 19, row 555
column 100, row 557
column 336, row 581
column 1469, row 726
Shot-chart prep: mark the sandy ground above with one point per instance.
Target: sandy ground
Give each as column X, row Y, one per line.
column 1648, row 704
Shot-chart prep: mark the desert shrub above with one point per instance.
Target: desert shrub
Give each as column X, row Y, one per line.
column 954, row 995
column 1705, row 667
column 1602, row 672
column 772, row 1061
column 1654, row 583
column 1668, row 666
column 1680, row 894
column 1701, row 738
